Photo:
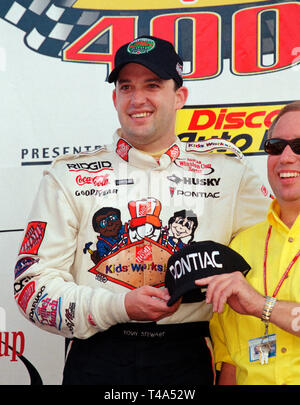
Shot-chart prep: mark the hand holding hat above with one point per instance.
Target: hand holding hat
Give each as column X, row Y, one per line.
column 196, row 261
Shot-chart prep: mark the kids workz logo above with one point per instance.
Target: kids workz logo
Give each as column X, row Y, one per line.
column 245, row 125
column 256, row 37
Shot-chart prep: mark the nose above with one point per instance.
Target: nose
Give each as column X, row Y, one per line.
column 287, row 155
column 138, row 97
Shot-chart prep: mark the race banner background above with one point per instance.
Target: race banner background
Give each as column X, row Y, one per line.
column 240, row 66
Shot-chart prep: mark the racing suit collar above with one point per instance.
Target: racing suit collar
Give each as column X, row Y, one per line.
column 143, row 160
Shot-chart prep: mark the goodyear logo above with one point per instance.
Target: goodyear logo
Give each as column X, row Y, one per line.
column 245, row 125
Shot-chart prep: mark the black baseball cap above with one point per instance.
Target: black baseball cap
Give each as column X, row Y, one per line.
column 199, row 260
column 156, row 54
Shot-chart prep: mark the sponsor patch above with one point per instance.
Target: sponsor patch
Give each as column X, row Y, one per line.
column 25, row 295
column 90, row 167
column 173, row 152
column 210, row 145
column 33, row 238
column 122, row 149
column 97, row 181
column 20, row 284
column 48, row 312
column 69, row 316
column 196, row 166
column 141, row 46
column 179, row 69
column 122, row 182
column 24, row 264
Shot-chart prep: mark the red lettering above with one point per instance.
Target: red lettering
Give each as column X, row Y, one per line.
column 17, row 346
column 205, row 44
column 6, row 344
column 247, row 52
column 249, row 119
column 194, row 124
column 21, row 345
column 269, row 118
column 25, row 295
column 121, row 31
column 204, row 119
column 220, row 118
column 96, row 181
column 234, row 120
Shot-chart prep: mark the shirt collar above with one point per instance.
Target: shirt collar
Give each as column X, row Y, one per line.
column 273, row 217
column 140, row 159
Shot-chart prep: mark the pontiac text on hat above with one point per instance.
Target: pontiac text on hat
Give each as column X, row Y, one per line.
column 194, row 261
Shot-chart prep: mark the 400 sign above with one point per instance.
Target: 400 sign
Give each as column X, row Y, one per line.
column 199, row 35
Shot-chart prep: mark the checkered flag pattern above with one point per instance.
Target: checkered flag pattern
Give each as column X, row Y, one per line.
column 49, row 25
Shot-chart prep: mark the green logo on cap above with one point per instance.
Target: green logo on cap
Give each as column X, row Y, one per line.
column 140, row 46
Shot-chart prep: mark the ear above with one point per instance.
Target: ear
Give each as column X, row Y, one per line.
column 114, row 97
column 182, row 95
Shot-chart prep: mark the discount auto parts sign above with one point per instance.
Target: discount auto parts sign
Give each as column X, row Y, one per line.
column 244, row 125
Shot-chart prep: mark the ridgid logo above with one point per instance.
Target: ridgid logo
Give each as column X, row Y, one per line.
column 256, row 37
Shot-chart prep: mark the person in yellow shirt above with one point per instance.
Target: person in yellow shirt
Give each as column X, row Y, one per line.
column 256, row 323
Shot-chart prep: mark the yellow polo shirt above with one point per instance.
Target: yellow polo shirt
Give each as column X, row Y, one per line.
column 231, row 331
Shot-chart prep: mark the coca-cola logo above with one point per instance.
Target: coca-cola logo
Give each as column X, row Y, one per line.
column 97, row 181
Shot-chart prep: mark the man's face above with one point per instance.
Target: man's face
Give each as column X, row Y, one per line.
column 284, row 169
column 146, row 107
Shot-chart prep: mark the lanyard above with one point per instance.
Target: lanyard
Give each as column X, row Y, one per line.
column 285, row 274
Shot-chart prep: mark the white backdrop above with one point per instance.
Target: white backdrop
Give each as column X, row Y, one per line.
column 45, row 103
column 49, row 106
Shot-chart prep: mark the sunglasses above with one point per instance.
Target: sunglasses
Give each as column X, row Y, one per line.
column 275, row 146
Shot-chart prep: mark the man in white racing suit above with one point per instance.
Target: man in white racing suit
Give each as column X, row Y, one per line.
column 92, row 263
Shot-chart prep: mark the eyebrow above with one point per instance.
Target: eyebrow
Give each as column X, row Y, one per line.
column 150, row 80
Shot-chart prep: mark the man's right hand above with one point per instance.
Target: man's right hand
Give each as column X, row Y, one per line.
column 149, row 304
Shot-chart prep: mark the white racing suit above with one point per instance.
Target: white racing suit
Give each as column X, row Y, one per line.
column 106, row 222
